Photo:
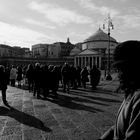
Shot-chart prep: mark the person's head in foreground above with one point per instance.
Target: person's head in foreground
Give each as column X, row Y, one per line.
column 127, row 60
column 127, row 124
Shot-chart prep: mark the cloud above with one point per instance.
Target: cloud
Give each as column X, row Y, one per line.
column 78, row 36
column 88, row 4
column 16, row 35
column 59, row 15
column 129, row 21
column 121, row 0
column 38, row 23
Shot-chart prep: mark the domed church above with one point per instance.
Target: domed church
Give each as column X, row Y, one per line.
column 95, row 50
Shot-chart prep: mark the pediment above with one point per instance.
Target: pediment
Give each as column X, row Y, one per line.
column 88, row 52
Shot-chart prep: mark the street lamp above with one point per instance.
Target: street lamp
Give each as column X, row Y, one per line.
column 108, row 22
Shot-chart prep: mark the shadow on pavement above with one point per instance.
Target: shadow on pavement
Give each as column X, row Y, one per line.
column 97, row 98
column 83, row 99
column 70, row 102
column 98, row 90
column 23, row 118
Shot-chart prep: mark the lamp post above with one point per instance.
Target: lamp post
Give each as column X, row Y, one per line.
column 109, row 27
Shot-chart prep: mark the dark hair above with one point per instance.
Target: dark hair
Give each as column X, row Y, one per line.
column 2, row 68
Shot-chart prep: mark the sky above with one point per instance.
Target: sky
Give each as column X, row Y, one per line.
column 28, row 22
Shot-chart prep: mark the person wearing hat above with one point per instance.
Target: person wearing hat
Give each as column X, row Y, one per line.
column 126, row 61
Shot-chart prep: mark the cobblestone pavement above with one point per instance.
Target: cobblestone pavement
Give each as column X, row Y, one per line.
column 82, row 114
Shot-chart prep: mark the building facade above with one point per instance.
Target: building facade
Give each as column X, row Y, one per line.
column 88, row 58
column 55, row 50
column 40, row 50
column 15, row 51
column 98, row 47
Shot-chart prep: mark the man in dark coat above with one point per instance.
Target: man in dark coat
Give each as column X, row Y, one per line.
column 84, row 76
column 37, row 79
column 95, row 75
column 127, row 125
column 4, row 80
column 55, row 81
column 65, row 71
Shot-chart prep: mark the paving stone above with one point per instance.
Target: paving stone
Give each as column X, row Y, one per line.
column 17, row 102
column 75, row 134
column 75, row 118
column 60, row 136
column 26, row 98
column 11, row 137
column 2, row 121
column 82, row 115
column 50, row 122
column 57, row 129
column 44, row 115
column 28, row 111
column 60, row 117
column 101, row 122
column 10, row 130
column 27, row 127
column 56, row 111
column 37, row 102
column 53, row 129
column 32, row 134
column 27, row 105
column 12, row 122
column 89, row 132
column 67, row 124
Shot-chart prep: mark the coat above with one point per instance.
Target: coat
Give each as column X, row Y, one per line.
column 4, row 80
column 84, row 75
column 13, row 73
column 128, row 120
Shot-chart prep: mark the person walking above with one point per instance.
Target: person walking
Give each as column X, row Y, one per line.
column 78, row 76
column 29, row 76
column 37, row 79
column 84, row 76
column 95, row 75
column 4, row 80
column 55, row 81
column 65, row 71
column 13, row 75
column 127, row 125
column 19, row 76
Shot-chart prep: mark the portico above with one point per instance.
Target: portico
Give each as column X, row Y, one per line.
column 88, row 58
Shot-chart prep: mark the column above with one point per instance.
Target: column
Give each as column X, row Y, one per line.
column 95, row 61
column 86, row 61
column 89, row 61
column 83, row 62
column 92, row 61
column 75, row 61
column 80, row 60
column 100, row 59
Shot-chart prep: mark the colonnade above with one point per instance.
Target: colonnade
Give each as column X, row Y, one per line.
column 89, row 61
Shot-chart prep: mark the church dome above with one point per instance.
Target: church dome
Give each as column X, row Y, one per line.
column 99, row 35
column 75, row 51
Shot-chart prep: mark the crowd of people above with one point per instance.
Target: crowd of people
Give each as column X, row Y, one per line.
column 44, row 79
